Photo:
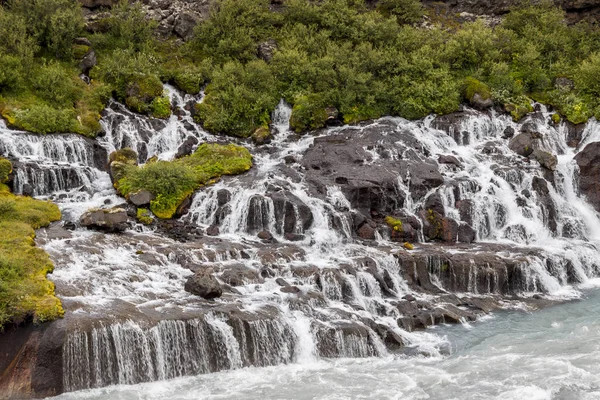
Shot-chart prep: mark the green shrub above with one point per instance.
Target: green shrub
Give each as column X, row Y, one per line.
column 239, row 99
column 406, row 11
column 40, row 118
column 309, row 112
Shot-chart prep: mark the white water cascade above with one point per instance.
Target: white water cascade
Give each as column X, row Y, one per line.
column 309, row 267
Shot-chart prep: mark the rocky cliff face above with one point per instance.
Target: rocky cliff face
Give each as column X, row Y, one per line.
column 179, row 17
column 577, row 10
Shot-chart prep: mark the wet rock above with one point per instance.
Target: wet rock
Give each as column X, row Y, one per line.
column 27, row 190
column 265, row 235
column 549, row 213
column 448, row 159
column 409, row 297
column 434, row 202
column 187, row 147
column 88, row 61
column 480, row 102
column 110, row 220
column 466, row 234
column 212, row 230
column 366, row 231
column 290, row 289
column 223, row 197
column 588, row 161
column 239, row 275
column 69, row 225
column 508, row 133
column 524, row 143
column 293, row 237
column 204, row 284
column 141, row 198
column 281, row 282
column 465, row 210
column 546, row 159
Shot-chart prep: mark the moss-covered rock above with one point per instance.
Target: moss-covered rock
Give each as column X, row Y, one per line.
column 393, row 223
column 161, row 107
column 126, row 156
column 5, row 170
column 477, row 93
column 171, row 182
column 262, row 135
column 518, row 111
column 144, row 216
column 24, row 290
column 141, row 92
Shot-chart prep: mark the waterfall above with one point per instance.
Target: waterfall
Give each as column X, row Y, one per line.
column 308, row 264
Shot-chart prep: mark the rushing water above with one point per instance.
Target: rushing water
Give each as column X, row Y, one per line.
column 550, row 354
column 129, row 319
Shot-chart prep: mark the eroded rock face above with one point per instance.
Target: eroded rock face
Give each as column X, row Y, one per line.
column 588, row 161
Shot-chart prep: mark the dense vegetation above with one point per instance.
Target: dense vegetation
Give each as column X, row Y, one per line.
column 171, row 182
column 363, row 61
column 24, row 290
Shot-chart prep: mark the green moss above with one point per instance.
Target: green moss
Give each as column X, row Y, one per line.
column 173, row 181
column 141, row 93
column 360, row 113
column 519, row 110
column 408, row 246
column 472, row 87
column 80, row 50
column 161, row 107
column 126, row 156
column 144, row 216
column 556, row 118
column 24, row 290
column 5, row 169
column 393, row 223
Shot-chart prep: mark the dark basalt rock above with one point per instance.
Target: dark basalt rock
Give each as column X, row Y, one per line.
column 588, row 161
column 109, row 220
column 204, row 284
column 187, row 147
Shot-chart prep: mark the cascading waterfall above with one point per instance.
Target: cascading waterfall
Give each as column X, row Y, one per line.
column 326, row 279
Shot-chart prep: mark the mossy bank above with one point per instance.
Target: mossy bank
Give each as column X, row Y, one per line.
column 25, row 291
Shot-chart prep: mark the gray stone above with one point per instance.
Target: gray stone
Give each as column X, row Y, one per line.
column 141, row 198
column 204, row 284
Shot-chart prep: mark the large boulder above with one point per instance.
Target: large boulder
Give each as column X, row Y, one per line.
column 141, row 198
column 546, row 159
column 524, row 143
column 588, row 161
column 204, row 284
column 109, row 220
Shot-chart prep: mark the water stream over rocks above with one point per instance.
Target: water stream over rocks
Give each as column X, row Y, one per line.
column 310, row 269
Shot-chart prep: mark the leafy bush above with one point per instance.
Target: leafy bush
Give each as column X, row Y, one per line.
column 406, row 11
column 239, row 98
column 5, row 170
